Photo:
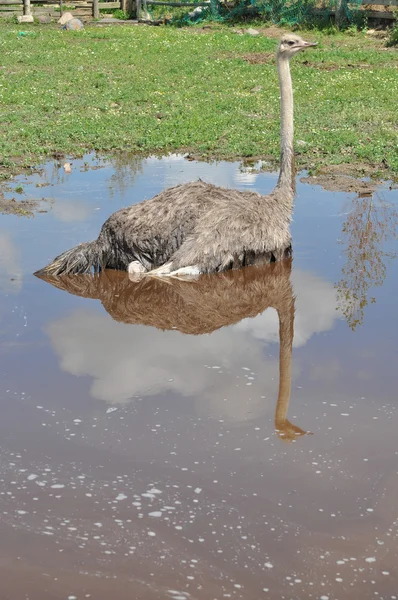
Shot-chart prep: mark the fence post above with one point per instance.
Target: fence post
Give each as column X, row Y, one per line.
column 95, row 9
column 128, row 7
column 340, row 14
column 214, row 9
column 137, row 9
column 26, row 7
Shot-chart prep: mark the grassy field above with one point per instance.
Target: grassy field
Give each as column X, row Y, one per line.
column 210, row 92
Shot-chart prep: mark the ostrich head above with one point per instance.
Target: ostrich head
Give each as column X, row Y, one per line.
column 290, row 44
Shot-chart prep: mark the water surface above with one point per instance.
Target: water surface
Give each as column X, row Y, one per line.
column 150, row 446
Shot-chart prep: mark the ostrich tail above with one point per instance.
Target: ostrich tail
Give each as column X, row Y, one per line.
column 88, row 257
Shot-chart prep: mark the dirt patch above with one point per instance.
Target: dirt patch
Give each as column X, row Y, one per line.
column 262, row 58
column 341, row 178
column 21, row 208
column 333, row 178
column 273, row 32
column 333, row 67
column 258, row 58
column 341, row 183
column 204, row 29
column 253, row 58
column 320, row 66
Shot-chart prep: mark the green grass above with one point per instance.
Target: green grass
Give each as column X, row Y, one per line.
column 393, row 34
column 159, row 89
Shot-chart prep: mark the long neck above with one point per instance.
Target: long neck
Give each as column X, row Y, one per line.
column 286, row 174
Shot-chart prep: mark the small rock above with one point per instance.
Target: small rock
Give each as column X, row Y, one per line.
column 25, row 19
column 301, row 143
column 43, row 19
column 65, row 18
column 196, row 11
column 256, row 89
column 74, row 25
column 67, row 168
column 251, row 31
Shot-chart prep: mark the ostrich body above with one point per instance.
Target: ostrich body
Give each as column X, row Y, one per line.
column 197, row 227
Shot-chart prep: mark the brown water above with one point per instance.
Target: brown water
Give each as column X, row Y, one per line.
column 146, row 448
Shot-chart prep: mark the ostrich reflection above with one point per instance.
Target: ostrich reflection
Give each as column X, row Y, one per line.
column 200, row 307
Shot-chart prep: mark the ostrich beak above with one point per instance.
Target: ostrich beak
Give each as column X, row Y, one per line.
column 308, row 44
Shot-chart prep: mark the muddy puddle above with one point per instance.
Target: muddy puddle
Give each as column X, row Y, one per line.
column 233, row 437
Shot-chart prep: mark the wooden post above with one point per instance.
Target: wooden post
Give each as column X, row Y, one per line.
column 26, row 7
column 214, row 8
column 61, row 8
column 95, row 9
column 128, row 7
column 340, row 15
column 137, row 9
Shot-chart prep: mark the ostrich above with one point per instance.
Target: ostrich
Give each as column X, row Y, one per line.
column 201, row 307
column 197, row 227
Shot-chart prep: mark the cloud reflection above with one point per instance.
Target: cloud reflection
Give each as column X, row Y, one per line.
column 10, row 266
column 69, row 211
column 228, row 371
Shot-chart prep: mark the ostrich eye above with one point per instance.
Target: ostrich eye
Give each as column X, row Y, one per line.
column 290, row 43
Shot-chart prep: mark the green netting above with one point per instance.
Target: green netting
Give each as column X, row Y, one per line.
column 279, row 12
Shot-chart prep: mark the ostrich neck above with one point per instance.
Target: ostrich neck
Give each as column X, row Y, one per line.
column 286, row 174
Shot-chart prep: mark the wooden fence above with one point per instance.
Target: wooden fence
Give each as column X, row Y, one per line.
column 378, row 10
column 91, row 8
column 54, row 8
